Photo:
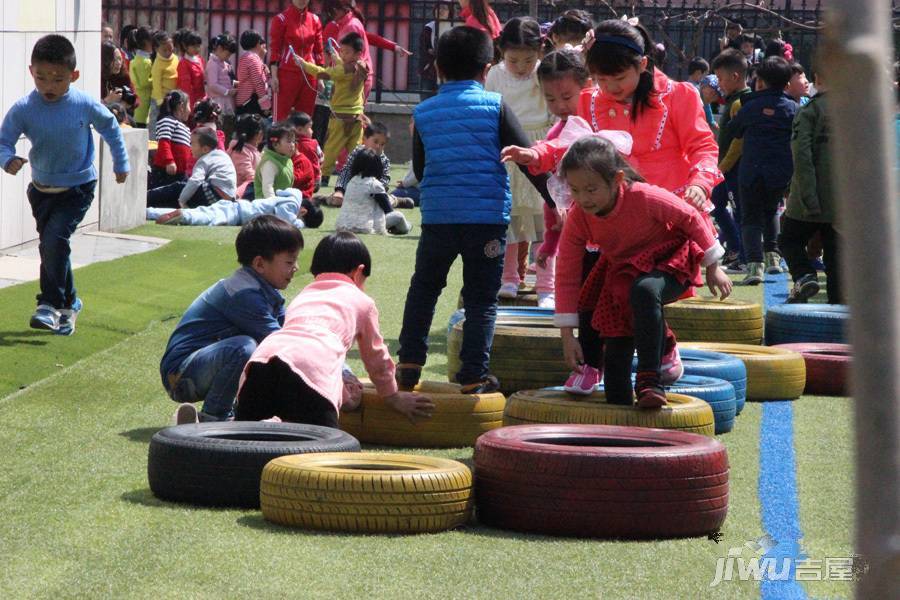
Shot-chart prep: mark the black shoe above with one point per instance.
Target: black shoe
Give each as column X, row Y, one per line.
column 804, row 288
column 407, row 376
column 488, row 385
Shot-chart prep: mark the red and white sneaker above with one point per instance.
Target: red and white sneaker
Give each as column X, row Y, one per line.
column 583, row 383
column 671, row 369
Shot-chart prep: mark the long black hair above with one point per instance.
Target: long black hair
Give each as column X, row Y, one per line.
column 619, row 46
column 171, row 102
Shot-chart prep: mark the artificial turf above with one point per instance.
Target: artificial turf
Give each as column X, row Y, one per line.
column 80, row 521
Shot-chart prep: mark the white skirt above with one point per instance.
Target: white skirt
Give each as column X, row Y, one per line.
column 526, row 222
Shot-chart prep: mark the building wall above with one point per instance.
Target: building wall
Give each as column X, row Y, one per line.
column 22, row 23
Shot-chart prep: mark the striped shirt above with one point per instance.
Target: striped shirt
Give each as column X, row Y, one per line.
column 170, row 128
column 252, row 77
column 346, row 176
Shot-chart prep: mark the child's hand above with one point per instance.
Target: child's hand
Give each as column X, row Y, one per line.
column 297, row 60
column 353, row 391
column 572, row 350
column 696, row 197
column 402, row 51
column 15, row 165
column 541, row 259
column 718, row 282
column 413, row 405
column 121, row 177
column 171, row 168
column 518, row 155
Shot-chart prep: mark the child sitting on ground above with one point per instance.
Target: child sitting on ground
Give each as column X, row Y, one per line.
column 173, row 153
column 287, row 204
column 220, row 330
column 367, row 207
column 375, row 138
column 297, row 373
column 57, row 120
column 275, row 170
column 308, row 146
column 244, row 152
column 212, row 179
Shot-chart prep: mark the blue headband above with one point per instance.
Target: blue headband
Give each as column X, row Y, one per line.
column 618, row 40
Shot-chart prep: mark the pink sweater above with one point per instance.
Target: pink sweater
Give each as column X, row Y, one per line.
column 245, row 163
column 320, row 326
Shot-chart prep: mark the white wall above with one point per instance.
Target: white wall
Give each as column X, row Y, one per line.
column 22, row 23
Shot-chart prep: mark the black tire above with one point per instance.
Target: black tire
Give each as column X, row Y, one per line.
column 220, row 464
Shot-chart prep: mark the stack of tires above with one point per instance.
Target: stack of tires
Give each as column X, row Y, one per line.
column 712, row 320
column 772, row 373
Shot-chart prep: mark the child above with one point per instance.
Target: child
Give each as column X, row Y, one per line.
column 698, row 68
column 297, row 373
column 191, row 67
column 731, row 69
column 375, row 138
column 220, row 330
column 288, row 205
column 711, row 95
column 173, row 153
column 140, row 71
column 219, row 76
column 568, row 30
column 275, row 170
column 163, row 75
column 207, row 114
column 307, row 145
column 480, row 15
column 212, row 179
column 798, row 87
column 119, row 111
column 244, row 152
column 442, row 12
column 465, row 205
column 652, row 245
column 253, row 95
column 810, row 206
column 57, row 120
column 764, row 123
column 367, row 207
column 115, row 86
column 349, row 77
column 516, row 80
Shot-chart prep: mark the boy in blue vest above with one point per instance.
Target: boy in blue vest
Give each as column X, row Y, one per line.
column 57, row 121
column 465, row 202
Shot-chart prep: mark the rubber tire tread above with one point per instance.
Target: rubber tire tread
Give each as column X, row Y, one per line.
column 772, row 373
column 799, row 323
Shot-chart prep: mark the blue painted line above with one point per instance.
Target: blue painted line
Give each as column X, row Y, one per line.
column 778, row 480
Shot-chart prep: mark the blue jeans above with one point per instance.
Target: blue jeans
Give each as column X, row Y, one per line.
column 729, row 225
column 57, row 216
column 211, row 374
column 481, row 248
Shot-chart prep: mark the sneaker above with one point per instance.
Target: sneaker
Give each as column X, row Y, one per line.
column 773, row 263
column 184, row 414
column 817, row 264
column 488, row 385
column 67, row 318
column 671, row 368
column 407, row 376
column 731, row 257
column 736, row 268
column 755, row 273
column 804, row 288
column 649, row 390
column 405, row 203
column 547, row 300
column 509, row 290
column 45, row 317
column 583, row 383
column 396, row 223
column 171, row 218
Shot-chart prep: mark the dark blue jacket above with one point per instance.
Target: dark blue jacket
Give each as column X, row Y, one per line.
column 764, row 122
column 464, row 180
column 243, row 304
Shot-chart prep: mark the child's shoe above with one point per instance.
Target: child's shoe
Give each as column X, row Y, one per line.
column 184, row 414
column 67, row 318
column 773, row 263
column 736, row 268
column 755, row 273
column 509, row 290
column 171, row 218
column 583, row 383
column 671, row 368
column 396, row 223
column 804, row 288
column 407, row 376
column 547, row 300
column 45, row 317
column 488, row 385
column 649, row 390
column 405, row 203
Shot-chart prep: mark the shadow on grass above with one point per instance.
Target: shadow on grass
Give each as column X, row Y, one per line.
column 145, row 497
column 23, row 338
column 141, row 435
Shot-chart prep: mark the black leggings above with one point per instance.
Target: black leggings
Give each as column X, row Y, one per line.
column 591, row 345
column 274, row 389
column 648, row 294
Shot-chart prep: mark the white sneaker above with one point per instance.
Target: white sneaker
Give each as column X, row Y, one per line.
column 509, row 290
column 185, row 413
column 547, row 300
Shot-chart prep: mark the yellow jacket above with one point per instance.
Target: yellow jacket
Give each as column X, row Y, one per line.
column 164, row 74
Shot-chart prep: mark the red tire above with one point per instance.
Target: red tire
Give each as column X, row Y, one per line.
column 601, row 481
column 827, row 367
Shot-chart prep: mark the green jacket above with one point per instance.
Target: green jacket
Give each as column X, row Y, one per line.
column 811, row 197
column 284, row 176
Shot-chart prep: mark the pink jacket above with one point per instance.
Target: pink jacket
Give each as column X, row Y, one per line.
column 349, row 23
column 245, row 163
column 219, row 83
column 320, row 326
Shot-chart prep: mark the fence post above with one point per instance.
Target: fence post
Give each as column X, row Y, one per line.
column 533, row 9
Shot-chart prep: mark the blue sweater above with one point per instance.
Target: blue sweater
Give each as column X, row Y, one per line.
column 62, row 147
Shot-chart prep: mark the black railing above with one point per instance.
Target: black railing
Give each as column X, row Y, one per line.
column 687, row 28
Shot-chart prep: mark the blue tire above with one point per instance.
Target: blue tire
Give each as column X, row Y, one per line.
column 717, row 366
column 528, row 312
column 802, row 323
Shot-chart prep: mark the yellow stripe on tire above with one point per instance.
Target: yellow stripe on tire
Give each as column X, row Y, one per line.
column 711, row 319
column 772, row 373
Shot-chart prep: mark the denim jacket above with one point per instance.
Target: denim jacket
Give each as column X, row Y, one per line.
column 764, row 122
column 243, row 304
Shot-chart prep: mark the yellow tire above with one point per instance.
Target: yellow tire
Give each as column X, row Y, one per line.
column 705, row 319
column 682, row 413
column 772, row 373
column 457, row 421
column 366, row 492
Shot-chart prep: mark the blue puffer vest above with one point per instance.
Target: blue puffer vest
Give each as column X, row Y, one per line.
column 464, row 180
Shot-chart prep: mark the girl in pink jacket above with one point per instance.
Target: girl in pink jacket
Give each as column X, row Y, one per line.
column 220, row 82
column 297, row 373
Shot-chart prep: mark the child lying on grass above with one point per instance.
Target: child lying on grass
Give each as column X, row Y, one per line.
column 288, row 205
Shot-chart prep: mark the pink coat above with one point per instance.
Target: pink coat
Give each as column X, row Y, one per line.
column 320, row 326
column 219, row 83
column 349, row 23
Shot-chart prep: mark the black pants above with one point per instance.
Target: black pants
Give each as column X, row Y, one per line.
column 588, row 337
column 648, row 294
column 167, row 196
column 273, row 389
column 759, row 219
column 793, row 239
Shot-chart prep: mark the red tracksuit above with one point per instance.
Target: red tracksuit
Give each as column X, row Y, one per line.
column 302, row 31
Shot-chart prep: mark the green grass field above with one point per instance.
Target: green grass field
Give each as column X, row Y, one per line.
column 80, row 521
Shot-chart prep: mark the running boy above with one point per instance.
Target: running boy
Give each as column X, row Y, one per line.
column 465, row 205
column 57, row 121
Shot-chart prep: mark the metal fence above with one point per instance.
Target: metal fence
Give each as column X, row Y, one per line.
column 687, row 28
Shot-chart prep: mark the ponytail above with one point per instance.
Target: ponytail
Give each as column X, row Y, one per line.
column 247, row 127
column 171, row 102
